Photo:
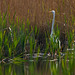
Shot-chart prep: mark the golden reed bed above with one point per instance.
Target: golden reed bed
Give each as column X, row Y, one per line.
column 37, row 12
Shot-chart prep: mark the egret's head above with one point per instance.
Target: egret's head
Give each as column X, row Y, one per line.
column 52, row 11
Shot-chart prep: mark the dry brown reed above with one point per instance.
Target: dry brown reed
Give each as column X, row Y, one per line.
column 37, row 12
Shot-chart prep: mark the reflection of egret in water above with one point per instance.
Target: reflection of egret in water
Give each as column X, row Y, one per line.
column 26, row 69
column 53, row 66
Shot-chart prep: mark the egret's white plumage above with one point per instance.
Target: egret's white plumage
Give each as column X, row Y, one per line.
column 52, row 30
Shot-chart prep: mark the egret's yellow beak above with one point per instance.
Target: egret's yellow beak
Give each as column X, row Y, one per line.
column 50, row 11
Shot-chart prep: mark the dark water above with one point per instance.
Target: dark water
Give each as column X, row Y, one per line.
column 41, row 67
column 29, row 68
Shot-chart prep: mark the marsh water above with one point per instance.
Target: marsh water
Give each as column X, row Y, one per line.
column 44, row 66
column 29, row 68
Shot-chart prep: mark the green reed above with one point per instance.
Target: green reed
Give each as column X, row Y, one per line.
column 70, row 36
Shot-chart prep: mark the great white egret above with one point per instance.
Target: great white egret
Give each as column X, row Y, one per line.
column 52, row 35
column 52, row 29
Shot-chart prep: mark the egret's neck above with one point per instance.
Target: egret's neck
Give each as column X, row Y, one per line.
column 53, row 24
